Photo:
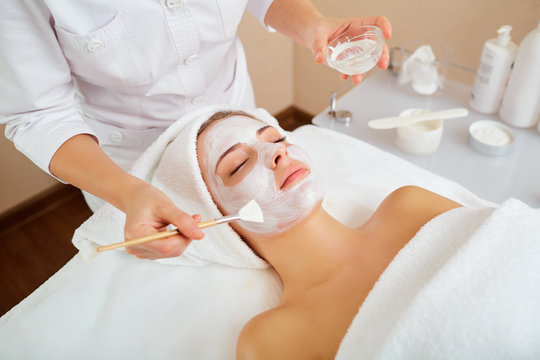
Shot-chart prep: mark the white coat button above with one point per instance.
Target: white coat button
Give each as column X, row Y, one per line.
column 173, row 3
column 198, row 100
column 192, row 59
column 116, row 137
column 94, row 45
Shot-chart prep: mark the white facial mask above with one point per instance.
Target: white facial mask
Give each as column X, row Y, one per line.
column 281, row 209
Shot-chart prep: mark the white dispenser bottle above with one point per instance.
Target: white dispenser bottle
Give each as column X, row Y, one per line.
column 495, row 64
column 521, row 102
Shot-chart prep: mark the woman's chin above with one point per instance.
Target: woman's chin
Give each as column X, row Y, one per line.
column 274, row 227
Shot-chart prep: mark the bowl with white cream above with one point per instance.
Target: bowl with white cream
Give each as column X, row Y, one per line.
column 491, row 137
column 355, row 51
column 419, row 138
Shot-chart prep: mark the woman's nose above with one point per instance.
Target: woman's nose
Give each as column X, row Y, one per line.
column 280, row 154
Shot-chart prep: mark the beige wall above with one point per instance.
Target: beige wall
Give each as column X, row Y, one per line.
column 284, row 73
column 20, row 179
column 269, row 57
column 463, row 24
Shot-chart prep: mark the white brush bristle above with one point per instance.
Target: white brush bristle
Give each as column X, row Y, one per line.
column 251, row 212
column 88, row 251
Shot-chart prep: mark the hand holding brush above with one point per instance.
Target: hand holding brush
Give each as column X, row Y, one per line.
column 249, row 212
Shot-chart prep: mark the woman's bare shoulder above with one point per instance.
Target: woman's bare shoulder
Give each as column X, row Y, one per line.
column 407, row 208
column 413, row 204
column 270, row 335
column 420, row 200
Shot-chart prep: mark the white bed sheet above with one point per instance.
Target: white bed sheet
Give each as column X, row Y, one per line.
column 117, row 306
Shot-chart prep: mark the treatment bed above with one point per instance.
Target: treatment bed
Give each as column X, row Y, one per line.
column 116, row 306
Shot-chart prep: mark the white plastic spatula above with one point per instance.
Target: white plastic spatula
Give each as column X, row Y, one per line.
column 398, row 121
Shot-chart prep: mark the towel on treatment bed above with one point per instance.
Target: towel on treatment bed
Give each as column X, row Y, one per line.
column 467, row 286
column 117, row 306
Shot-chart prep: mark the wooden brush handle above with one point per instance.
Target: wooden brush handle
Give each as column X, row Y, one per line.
column 147, row 238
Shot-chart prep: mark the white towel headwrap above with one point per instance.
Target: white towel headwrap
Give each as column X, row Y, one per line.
column 171, row 165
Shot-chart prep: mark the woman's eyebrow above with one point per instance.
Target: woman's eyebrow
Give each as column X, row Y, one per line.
column 261, row 130
column 235, row 146
column 232, row 148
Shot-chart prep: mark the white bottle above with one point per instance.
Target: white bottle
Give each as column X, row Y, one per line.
column 521, row 102
column 495, row 64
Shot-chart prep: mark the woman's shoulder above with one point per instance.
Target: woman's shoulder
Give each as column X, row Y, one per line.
column 406, row 209
column 417, row 199
column 272, row 334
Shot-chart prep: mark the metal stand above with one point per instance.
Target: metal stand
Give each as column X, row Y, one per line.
column 343, row 116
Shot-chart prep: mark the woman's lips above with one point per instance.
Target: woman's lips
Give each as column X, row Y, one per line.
column 292, row 175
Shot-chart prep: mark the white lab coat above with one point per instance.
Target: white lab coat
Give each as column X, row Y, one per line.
column 121, row 70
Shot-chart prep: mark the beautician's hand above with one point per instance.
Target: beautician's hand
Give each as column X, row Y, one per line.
column 149, row 211
column 325, row 29
column 81, row 162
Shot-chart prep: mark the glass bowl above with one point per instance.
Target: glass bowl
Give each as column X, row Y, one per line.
column 355, row 51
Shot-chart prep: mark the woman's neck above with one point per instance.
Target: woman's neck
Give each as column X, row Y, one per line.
column 311, row 252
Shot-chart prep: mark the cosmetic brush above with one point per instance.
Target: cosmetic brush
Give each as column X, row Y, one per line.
column 249, row 212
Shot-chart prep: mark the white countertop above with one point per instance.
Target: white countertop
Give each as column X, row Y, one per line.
column 516, row 174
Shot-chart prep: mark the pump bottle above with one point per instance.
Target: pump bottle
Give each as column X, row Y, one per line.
column 520, row 106
column 495, row 63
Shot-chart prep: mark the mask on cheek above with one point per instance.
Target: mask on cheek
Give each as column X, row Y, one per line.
column 281, row 209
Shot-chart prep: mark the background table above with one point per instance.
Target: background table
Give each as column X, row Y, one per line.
column 516, row 174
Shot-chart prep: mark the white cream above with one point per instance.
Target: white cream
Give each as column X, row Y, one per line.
column 491, row 135
column 281, row 209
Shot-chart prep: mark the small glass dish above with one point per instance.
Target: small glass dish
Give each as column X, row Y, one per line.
column 355, row 51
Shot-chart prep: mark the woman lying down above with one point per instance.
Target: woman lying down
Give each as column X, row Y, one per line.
column 422, row 278
column 328, row 269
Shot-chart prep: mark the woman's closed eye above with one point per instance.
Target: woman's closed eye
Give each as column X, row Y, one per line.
column 236, row 169
column 270, row 134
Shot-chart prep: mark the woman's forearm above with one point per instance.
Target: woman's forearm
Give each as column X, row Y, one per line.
column 81, row 162
column 293, row 18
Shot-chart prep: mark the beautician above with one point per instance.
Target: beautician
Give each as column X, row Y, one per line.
column 86, row 86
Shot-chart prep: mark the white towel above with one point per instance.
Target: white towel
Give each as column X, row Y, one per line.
column 118, row 306
column 170, row 164
column 467, row 286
